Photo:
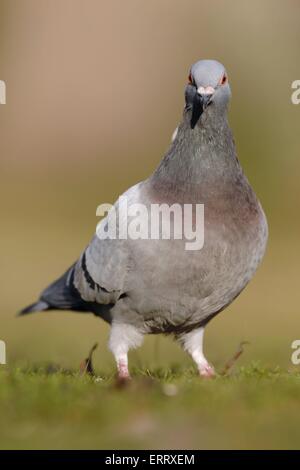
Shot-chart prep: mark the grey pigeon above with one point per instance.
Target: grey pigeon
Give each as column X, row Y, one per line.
column 145, row 286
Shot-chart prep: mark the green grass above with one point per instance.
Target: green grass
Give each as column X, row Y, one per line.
column 254, row 407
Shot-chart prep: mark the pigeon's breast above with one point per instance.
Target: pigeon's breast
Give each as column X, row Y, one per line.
column 178, row 288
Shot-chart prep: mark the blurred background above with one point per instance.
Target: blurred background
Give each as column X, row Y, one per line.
column 94, row 92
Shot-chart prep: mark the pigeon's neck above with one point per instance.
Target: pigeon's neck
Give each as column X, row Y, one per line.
column 198, row 157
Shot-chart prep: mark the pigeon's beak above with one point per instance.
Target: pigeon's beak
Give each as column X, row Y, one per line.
column 201, row 100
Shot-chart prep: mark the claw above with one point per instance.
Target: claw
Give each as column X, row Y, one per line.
column 124, row 375
column 123, row 379
column 207, row 371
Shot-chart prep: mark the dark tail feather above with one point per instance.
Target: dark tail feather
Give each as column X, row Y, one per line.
column 60, row 295
column 36, row 307
column 63, row 295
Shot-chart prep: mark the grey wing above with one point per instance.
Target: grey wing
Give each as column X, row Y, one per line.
column 94, row 283
column 100, row 273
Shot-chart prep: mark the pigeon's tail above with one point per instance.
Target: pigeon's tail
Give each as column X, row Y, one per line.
column 38, row 306
column 60, row 295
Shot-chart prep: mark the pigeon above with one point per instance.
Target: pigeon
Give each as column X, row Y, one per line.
column 156, row 285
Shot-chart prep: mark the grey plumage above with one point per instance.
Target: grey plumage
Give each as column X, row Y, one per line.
column 152, row 286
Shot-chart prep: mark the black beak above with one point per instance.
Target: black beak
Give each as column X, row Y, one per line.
column 200, row 103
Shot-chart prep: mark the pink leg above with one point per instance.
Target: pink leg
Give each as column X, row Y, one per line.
column 206, row 370
column 193, row 343
column 122, row 364
column 122, row 338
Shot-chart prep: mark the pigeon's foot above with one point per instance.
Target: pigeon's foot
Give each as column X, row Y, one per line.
column 207, row 371
column 193, row 343
column 123, row 372
column 122, row 338
column 124, row 377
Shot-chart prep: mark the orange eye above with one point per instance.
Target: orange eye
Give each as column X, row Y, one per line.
column 190, row 79
column 223, row 80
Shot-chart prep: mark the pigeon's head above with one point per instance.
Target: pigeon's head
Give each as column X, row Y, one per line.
column 207, row 86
